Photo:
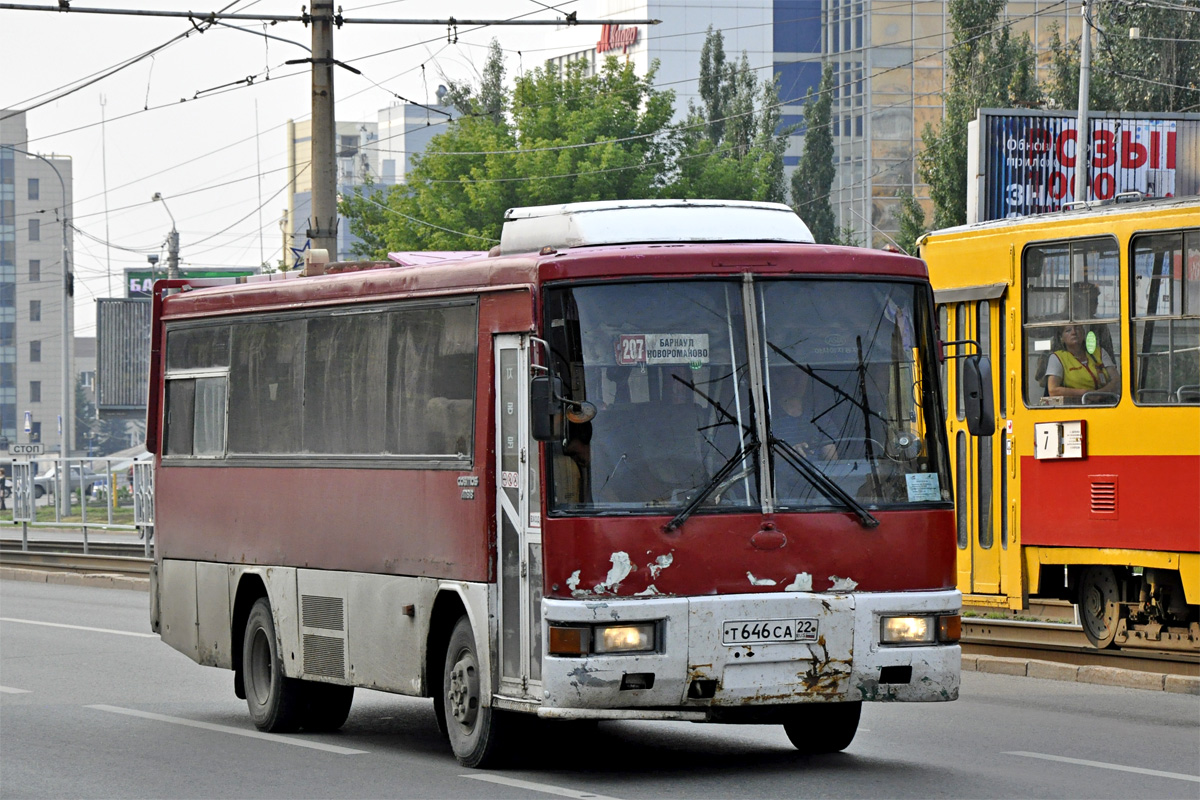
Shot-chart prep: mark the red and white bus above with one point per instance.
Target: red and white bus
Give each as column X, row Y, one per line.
column 644, row 460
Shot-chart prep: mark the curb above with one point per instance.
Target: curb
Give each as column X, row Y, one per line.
column 102, row 580
column 1103, row 676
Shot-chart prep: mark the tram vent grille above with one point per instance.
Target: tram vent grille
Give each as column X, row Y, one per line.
column 324, row 656
column 1104, row 496
column 322, row 612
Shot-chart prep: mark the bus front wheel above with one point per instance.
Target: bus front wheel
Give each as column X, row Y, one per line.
column 823, row 727
column 474, row 729
column 276, row 701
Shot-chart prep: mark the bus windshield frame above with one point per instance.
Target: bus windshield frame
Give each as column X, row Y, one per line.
column 709, row 392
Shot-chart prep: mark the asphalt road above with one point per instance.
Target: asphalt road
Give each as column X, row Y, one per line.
column 93, row 705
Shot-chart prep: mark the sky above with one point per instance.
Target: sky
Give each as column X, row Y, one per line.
column 188, row 124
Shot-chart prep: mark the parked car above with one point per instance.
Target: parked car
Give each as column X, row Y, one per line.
column 45, row 483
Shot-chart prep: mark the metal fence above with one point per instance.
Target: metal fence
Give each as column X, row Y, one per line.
column 81, row 494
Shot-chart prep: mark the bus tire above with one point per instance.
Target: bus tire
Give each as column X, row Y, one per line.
column 327, row 705
column 1098, row 610
column 823, row 727
column 275, row 701
column 474, row 730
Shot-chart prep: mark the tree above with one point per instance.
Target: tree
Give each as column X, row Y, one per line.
column 1159, row 71
column 556, row 138
column 813, row 178
column 732, row 146
column 559, row 137
column 986, row 67
column 911, row 220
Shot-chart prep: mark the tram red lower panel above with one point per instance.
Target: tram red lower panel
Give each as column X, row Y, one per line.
column 737, row 553
column 1132, row 502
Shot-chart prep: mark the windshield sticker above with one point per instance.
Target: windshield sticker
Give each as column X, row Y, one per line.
column 923, row 487
column 1041, row 345
column 662, row 348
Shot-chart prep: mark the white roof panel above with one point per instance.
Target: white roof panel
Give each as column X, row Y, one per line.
column 611, row 222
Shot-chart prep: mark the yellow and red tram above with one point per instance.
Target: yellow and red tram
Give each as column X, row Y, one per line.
column 1091, row 318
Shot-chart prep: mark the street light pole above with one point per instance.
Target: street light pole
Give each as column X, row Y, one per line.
column 68, row 292
column 172, row 241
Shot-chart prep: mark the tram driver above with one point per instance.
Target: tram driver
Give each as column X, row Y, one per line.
column 1074, row 371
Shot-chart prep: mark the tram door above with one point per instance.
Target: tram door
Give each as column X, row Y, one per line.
column 518, row 511
column 978, row 475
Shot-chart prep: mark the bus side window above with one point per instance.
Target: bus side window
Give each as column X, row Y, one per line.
column 1165, row 280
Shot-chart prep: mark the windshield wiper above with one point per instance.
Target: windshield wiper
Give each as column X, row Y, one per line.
column 826, row 485
column 716, row 480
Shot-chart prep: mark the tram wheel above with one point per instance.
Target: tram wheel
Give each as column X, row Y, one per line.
column 276, row 702
column 823, row 727
column 474, row 729
column 1098, row 611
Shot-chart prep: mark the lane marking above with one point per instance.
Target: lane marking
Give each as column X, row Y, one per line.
column 209, row 726
column 1101, row 765
column 537, row 787
column 11, row 690
column 78, row 627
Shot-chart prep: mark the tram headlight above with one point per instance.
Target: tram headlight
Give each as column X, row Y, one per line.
column 907, row 630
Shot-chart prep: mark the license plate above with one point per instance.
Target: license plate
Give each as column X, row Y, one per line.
column 765, row 631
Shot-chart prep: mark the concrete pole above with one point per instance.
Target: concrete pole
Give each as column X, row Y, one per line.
column 1082, row 125
column 173, row 254
column 323, row 230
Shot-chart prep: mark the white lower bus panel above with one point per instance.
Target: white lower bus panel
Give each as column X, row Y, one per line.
column 697, row 665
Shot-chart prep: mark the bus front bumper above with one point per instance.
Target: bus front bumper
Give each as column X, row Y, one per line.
column 701, row 667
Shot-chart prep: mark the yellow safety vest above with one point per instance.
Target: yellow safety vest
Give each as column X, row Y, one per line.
column 1088, row 375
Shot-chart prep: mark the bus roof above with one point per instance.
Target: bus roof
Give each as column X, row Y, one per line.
column 483, row 273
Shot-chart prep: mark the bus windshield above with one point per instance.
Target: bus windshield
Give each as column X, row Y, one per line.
column 666, row 363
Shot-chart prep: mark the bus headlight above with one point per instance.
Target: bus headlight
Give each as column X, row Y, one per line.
column 624, row 638
column 944, row 628
column 581, row 640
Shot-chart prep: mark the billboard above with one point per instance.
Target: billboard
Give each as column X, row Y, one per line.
column 122, row 355
column 1024, row 162
column 139, row 282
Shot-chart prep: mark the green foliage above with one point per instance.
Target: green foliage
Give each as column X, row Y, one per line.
column 813, row 179
column 561, row 137
column 987, row 68
column 1158, row 73
column 847, row 237
column 911, row 221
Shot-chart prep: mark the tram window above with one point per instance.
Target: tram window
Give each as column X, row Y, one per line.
column 1166, row 323
column 1072, row 334
column 960, row 333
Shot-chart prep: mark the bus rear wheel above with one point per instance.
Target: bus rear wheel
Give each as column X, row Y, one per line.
column 1098, row 609
column 823, row 727
column 474, row 730
column 276, row 702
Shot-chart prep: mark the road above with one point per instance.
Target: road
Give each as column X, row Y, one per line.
column 93, row 705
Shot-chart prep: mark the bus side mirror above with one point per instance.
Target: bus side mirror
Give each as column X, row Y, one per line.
column 977, row 395
column 546, row 423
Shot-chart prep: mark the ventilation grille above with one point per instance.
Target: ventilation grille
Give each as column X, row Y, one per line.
column 322, row 612
column 1104, row 496
column 324, row 656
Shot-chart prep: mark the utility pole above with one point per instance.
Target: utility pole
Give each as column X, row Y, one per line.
column 1082, row 125
column 323, row 223
column 173, row 254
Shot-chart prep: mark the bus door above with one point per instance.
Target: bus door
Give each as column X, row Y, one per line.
column 977, row 474
column 518, row 511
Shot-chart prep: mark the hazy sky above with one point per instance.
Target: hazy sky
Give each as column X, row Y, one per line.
column 219, row 158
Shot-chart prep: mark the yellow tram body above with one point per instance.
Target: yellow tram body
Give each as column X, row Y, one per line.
column 1086, row 494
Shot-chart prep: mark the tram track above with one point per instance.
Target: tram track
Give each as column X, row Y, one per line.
column 1060, row 642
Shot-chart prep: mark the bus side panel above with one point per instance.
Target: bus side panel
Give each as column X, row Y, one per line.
column 392, row 521
column 1155, row 508
column 717, row 554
